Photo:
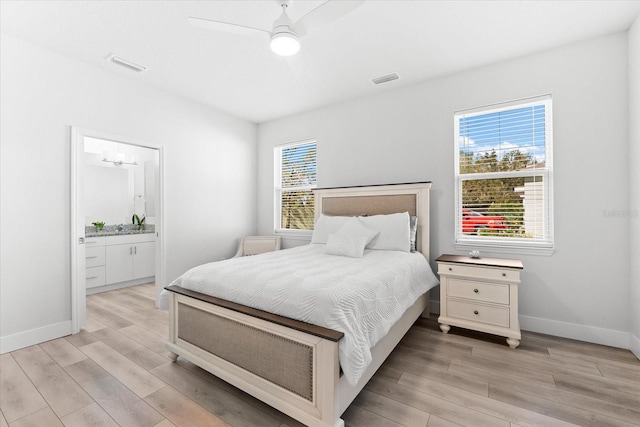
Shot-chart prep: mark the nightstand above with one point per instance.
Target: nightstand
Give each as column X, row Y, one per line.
column 480, row 294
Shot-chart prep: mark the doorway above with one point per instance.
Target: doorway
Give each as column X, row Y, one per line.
column 116, row 188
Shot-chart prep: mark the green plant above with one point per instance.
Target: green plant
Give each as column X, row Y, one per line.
column 99, row 225
column 135, row 219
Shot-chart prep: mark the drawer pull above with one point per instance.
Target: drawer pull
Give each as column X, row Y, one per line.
column 92, row 277
column 504, row 274
column 476, row 290
column 475, row 312
column 450, row 269
column 89, row 257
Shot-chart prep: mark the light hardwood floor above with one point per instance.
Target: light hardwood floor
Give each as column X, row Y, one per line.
column 116, row 372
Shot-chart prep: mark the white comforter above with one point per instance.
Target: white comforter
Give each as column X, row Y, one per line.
column 361, row 297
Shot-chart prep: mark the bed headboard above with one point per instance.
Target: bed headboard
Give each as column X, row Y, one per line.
column 377, row 200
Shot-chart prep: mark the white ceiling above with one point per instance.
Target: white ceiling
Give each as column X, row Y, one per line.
column 419, row 40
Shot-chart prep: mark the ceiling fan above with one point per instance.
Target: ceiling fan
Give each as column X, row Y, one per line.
column 285, row 34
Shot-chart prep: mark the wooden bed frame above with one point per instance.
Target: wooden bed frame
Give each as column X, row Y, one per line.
column 291, row 365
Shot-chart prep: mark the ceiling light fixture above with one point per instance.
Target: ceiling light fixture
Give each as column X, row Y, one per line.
column 284, row 41
column 120, row 159
column 120, row 162
column 284, row 34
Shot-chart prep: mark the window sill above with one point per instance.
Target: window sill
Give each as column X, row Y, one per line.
column 304, row 235
column 505, row 248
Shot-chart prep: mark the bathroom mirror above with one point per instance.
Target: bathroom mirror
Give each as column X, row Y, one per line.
column 119, row 180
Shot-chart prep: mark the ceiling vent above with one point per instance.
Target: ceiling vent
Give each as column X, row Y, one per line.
column 129, row 65
column 387, row 78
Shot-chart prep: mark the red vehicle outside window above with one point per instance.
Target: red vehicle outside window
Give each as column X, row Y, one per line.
column 473, row 221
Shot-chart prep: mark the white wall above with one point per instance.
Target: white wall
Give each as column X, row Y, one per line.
column 634, row 182
column 405, row 135
column 210, row 178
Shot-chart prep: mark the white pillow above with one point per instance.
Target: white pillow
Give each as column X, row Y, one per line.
column 394, row 231
column 350, row 240
column 326, row 225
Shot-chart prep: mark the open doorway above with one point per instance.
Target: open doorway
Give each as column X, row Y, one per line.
column 116, row 214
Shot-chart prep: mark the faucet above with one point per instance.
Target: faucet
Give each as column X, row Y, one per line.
column 120, row 227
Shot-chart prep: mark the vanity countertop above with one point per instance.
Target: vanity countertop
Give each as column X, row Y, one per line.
column 112, row 230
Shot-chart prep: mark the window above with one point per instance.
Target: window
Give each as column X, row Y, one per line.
column 295, row 178
column 503, row 176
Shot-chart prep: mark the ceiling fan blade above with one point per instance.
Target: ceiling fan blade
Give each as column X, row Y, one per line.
column 226, row 27
column 327, row 12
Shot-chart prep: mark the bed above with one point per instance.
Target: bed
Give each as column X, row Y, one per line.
column 292, row 365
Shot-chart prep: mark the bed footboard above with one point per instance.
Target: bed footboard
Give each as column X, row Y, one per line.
column 294, row 371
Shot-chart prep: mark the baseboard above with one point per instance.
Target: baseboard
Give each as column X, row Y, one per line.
column 574, row 331
column 34, row 336
column 120, row 285
column 634, row 345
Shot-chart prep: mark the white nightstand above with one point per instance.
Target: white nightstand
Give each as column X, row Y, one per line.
column 480, row 294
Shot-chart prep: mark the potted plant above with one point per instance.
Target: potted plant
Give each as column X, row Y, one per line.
column 135, row 219
column 99, row 225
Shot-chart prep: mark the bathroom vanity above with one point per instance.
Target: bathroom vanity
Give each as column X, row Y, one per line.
column 119, row 259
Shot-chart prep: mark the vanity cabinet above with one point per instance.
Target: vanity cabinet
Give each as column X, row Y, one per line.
column 129, row 257
column 95, row 261
column 144, row 262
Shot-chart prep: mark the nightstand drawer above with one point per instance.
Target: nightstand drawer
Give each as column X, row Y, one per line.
column 498, row 316
column 479, row 272
column 478, row 291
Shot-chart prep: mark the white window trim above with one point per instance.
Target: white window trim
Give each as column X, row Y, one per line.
column 288, row 233
column 508, row 245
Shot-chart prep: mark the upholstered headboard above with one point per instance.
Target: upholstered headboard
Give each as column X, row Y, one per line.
column 377, row 200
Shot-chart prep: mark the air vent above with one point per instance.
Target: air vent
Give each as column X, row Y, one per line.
column 387, row 78
column 129, row 65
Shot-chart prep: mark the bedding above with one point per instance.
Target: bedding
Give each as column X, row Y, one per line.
column 361, row 297
column 394, row 231
column 327, row 225
column 351, row 239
